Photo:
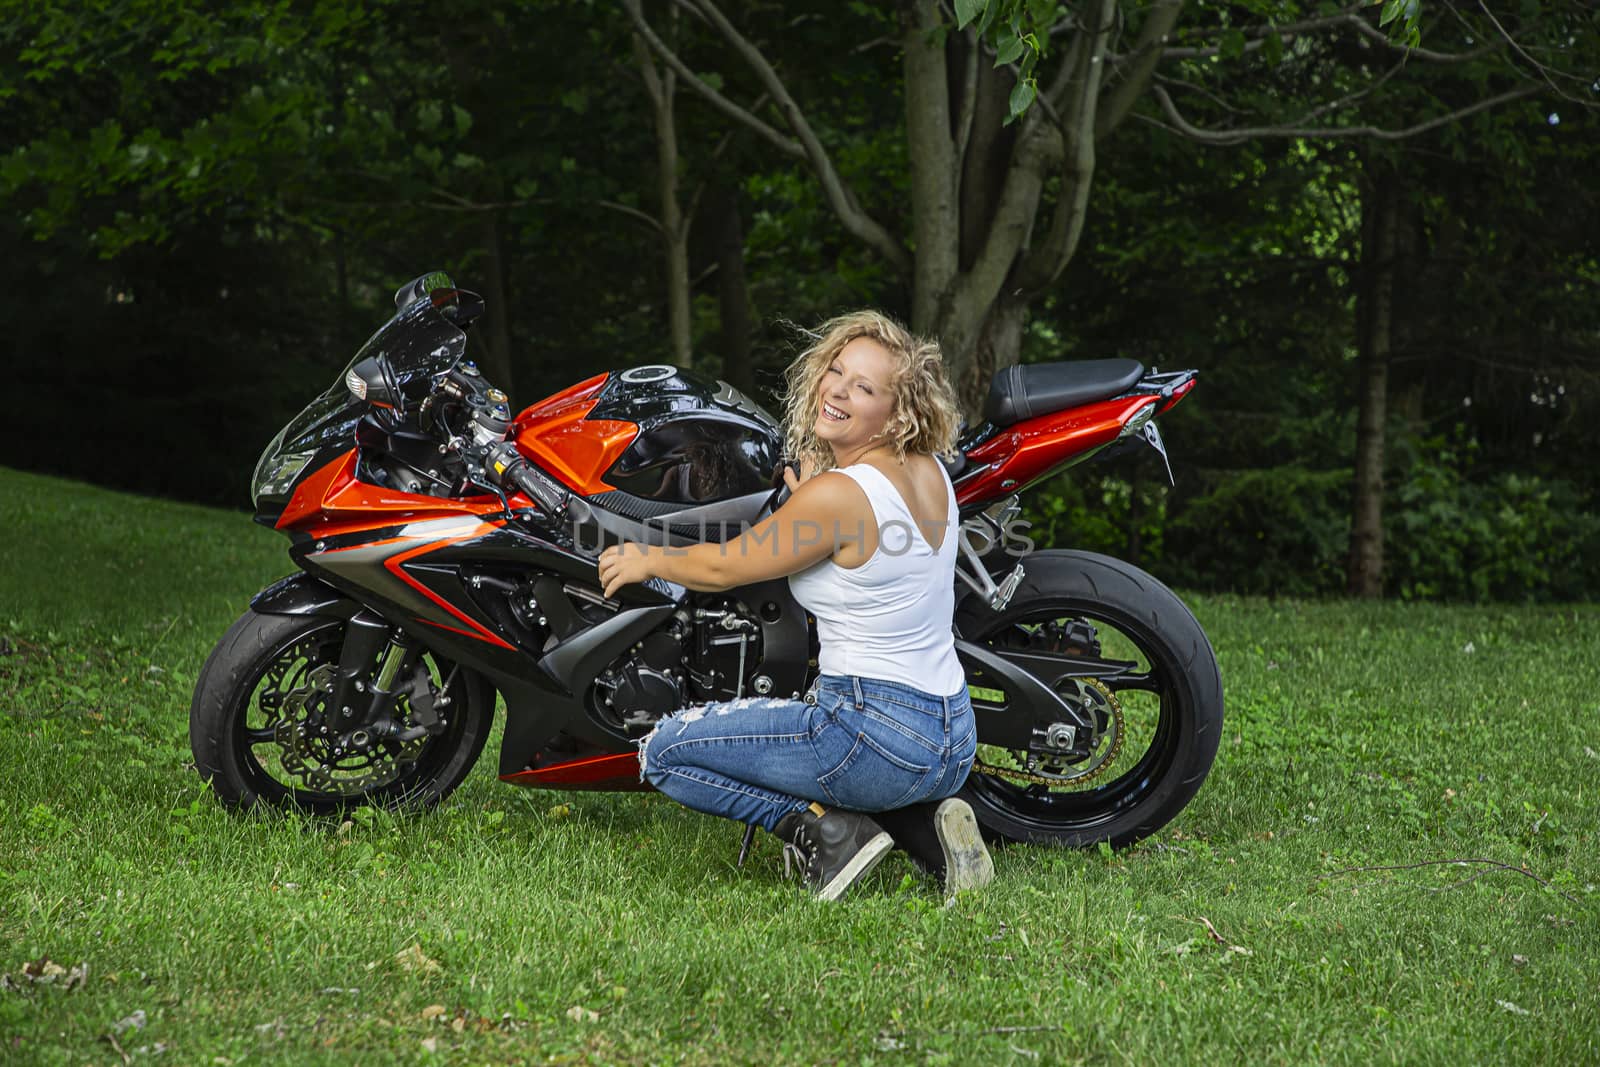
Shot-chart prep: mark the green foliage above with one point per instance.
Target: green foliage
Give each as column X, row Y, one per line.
column 1101, row 512
column 1018, row 30
column 1280, row 531
column 1455, row 533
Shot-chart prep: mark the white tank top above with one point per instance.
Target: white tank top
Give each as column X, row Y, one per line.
column 890, row 617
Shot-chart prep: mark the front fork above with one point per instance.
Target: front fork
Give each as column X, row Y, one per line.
column 375, row 657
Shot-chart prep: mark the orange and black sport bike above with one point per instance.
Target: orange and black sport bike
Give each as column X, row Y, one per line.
column 447, row 552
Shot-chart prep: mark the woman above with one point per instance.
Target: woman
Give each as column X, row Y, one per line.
column 868, row 540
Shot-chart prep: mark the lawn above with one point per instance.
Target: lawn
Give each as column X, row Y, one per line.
column 1303, row 909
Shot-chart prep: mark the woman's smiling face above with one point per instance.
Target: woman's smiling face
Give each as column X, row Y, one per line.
column 855, row 400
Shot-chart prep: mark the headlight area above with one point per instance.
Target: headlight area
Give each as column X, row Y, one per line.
column 276, row 474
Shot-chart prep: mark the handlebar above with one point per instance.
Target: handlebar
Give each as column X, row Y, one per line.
column 506, row 466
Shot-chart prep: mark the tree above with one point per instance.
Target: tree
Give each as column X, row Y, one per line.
column 998, row 207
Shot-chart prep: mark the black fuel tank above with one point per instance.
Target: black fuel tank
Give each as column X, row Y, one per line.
column 699, row 440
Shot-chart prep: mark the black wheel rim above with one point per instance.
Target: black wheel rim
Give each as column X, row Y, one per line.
column 287, row 669
column 1155, row 732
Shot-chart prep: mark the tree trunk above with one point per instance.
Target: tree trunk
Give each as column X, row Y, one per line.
column 974, row 258
column 675, row 241
column 1375, row 324
column 497, row 366
column 733, row 294
column 662, row 87
column 997, row 345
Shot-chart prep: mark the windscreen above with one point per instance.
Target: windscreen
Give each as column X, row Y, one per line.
column 418, row 343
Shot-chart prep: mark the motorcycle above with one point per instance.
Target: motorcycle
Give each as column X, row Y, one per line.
column 446, row 552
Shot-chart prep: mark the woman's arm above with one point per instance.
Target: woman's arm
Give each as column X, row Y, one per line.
column 822, row 514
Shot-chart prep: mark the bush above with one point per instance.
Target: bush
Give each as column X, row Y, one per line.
column 1504, row 537
column 1282, row 531
column 1097, row 513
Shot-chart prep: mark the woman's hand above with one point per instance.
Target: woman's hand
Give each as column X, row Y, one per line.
column 625, row 564
column 808, row 470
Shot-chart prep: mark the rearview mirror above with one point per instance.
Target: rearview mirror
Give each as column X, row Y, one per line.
column 416, row 289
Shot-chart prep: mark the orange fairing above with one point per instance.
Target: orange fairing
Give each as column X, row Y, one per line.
column 332, row 501
column 1022, row 454
column 555, row 435
column 393, row 563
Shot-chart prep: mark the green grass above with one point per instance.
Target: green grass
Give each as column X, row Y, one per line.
column 519, row 926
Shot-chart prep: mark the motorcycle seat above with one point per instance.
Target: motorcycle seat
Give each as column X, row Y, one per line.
column 1021, row 392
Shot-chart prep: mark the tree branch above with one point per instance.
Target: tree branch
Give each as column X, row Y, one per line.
column 787, row 145
column 1138, row 67
column 1258, row 35
column 1182, row 126
column 969, row 96
column 1067, row 72
column 1349, row 17
column 1350, row 98
column 839, row 196
column 1544, row 71
column 1373, row 33
column 1046, row 262
column 610, row 205
column 1201, row 90
column 935, row 166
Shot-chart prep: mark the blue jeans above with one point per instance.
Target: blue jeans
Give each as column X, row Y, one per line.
column 861, row 743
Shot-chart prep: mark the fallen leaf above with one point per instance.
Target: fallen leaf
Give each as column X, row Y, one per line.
column 580, row 1014
column 430, row 1044
column 43, row 970
column 432, row 1011
column 413, row 959
column 135, row 1021
column 458, row 1024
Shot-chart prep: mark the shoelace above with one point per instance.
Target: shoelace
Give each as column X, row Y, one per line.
column 802, row 853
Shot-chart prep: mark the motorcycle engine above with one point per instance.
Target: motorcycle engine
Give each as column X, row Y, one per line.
column 640, row 689
column 706, row 653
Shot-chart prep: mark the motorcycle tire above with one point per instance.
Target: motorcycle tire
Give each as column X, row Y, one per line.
column 262, row 669
column 1172, row 678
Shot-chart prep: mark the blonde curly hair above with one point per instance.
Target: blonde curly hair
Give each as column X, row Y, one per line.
column 925, row 417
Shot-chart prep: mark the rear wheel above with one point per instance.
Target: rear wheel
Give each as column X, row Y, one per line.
column 1152, row 688
column 260, row 729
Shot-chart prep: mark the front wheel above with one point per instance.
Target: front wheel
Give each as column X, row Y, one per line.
column 260, row 729
column 1151, row 682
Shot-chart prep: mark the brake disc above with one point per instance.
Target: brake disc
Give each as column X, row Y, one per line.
column 309, row 754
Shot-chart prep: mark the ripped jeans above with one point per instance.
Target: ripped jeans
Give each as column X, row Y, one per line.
column 861, row 743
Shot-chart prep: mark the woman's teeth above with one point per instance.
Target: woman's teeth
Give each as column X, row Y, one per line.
column 833, row 413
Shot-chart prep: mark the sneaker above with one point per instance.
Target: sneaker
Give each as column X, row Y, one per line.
column 835, row 848
column 943, row 840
